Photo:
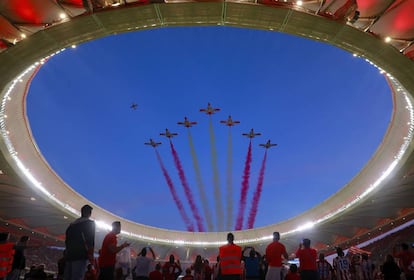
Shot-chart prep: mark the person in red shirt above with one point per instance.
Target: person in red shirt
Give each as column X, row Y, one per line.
column 171, row 270
column 107, row 258
column 275, row 252
column 156, row 273
column 90, row 273
column 208, row 271
column 6, row 254
column 293, row 273
column 230, row 260
column 188, row 275
column 198, row 267
column 307, row 259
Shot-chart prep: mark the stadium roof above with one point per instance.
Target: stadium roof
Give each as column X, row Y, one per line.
column 378, row 199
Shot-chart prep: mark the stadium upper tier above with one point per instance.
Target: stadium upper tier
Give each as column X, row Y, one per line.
column 376, row 200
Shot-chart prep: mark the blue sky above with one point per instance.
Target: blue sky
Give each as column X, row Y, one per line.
column 327, row 111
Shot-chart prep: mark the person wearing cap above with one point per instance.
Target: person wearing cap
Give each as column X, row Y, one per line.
column 275, row 252
column 307, row 260
column 230, row 260
column 80, row 244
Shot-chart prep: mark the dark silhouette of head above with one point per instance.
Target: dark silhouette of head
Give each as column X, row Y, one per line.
column 4, row 237
column 293, row 268
column 276, row 236
column 340, row 252
column 144, row 252
column 306, row 243
column 198, row 259
column 86, row 211
column 172, row 259
column 230, row 237
column 321, row 256
column 404, row 246
column 252, row 253
column 116, row 227
column 158, row 266
column 24, row 239
column 389, row 258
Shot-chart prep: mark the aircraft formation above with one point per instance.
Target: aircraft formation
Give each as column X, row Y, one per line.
column 220, row 213
column 209, row 110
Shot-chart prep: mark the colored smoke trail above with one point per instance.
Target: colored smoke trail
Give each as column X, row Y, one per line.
column 200, row 184
column 257, row 194
column 177, row 201
column 229, row 182
column 244, row 189
column 216, row 179
column 187, row 189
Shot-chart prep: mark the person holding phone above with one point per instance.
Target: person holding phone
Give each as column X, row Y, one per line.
column 307, row 259
column 107, row 258
column 144, row 264
column 172, row 269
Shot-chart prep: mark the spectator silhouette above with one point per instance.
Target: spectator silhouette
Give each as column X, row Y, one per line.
column 390, row 269
column 275, row 252
column 79, row 243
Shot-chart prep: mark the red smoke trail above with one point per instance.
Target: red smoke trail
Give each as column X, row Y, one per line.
column 187, row 189
column 244, row 189
column 257, row 194
column 177, row 201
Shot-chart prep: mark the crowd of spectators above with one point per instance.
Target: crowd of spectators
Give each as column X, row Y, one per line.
column 42, row 260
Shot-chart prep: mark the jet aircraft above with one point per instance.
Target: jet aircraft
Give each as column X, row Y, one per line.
column 168, row 134
column 152, row 143
column 267, row 145
column 209, row 110
column 134, row 106
column 251, row 134
column 187, row 123
column 230, row 122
